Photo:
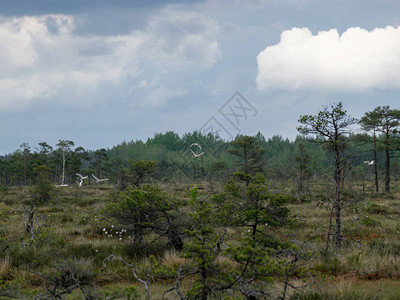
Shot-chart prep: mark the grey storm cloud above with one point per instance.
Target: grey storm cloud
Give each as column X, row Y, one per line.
column 44, row 56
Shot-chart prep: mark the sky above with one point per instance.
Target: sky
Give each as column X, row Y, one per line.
column 100, row 72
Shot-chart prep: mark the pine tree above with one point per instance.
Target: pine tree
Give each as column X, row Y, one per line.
column 249, row 153
column 333, row 124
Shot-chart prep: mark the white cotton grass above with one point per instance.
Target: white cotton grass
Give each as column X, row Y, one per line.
column 117, row 232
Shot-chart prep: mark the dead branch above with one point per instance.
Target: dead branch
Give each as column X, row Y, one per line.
column 146, row 282
column 175, row 287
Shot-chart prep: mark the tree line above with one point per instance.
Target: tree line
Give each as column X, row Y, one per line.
column 282, row 159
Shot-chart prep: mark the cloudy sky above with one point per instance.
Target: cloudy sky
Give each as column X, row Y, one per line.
column 100, row 72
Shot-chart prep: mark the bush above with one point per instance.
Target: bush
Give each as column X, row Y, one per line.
column 39, row 252
column 116, row 292
column 371, row 222
column 377, row 209
column 329, row 266
column 42, row 191
column 3, row 190
column 9, row 289
column 138, row 250
column 332, row 295
column 384, row 247
column 70, row 275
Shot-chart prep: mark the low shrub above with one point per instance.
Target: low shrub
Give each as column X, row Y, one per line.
column 369, row 221
column 374, row 208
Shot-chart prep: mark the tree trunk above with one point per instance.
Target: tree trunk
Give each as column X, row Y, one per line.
column 137, row 234
column 337, row 204
column 375, row 166
column 387, row 169
column 25, row 167
column 246, row 165
column 175, row 240
column 98, row 170
column 363, row 184
column 338, row 222
column 342, row 170
column 301, row 180
column 63, row 169
column 203, row 275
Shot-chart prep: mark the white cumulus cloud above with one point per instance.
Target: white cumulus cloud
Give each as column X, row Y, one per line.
column 356, row 60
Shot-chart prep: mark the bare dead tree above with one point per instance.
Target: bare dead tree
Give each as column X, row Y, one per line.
column 294, row 257
column 68, row 277
column 146, row 283
column 176, row 287
column 30, row 226
column 247, row 289
column 29, row 223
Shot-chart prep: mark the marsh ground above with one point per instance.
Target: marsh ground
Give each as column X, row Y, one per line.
column 72, row 229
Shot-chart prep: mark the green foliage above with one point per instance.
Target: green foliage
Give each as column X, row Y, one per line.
column 116, row 292
column 9, row 289
column 355, row 260
column 137, row 171
column 3, row 190
column 258, row 211
column 100, row 161
column 385, row 120
column 41, row 192
column 252, row 205
column 146, row 209
column 303, row 159
column 329, row 266
column 170, row 140
column 40, row 251
column 168, row 150
column 334, row 125
column 69, row 275
column 374, row 208
column 203, row 248
column 325, row 295
column 383, row 248
column 369, row 221
column 321, row 123
column 249, row 153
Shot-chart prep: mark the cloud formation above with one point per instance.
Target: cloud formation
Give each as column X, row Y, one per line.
column 44, row 57
column 357, row 60
column 177, row 37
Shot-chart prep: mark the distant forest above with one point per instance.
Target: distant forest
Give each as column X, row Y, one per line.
column 174, row 158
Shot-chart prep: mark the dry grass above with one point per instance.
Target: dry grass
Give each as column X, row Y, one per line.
column 172, row 259
column 72, row 227
column 5, row 266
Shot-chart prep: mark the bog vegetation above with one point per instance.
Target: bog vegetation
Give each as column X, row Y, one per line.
column 252, row 218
